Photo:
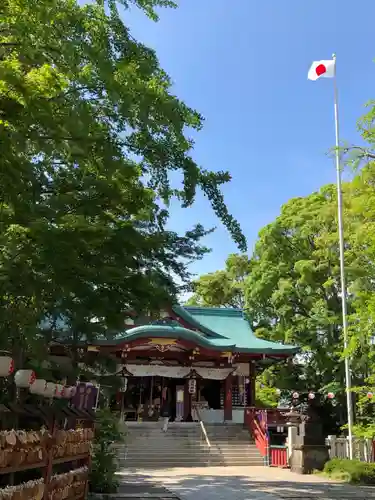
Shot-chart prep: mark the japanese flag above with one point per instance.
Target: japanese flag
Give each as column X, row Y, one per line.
column 321, row 69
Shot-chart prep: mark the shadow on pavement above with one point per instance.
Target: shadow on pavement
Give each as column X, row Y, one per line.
column 222, row 487
column 141, row 487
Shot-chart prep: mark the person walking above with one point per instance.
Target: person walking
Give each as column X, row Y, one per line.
column 166, row 414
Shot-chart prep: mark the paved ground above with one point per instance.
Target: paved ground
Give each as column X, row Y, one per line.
column 136, row 488
column 242, row 483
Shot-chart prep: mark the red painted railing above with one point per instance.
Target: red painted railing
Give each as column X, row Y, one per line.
column 278, row 456
column 256, row 422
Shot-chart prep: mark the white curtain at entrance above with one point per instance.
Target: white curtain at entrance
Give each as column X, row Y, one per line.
column 213, row 373
column 177, row 371
column 158, row 371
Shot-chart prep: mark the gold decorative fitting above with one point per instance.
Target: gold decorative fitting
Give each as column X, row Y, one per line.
column 163, row 348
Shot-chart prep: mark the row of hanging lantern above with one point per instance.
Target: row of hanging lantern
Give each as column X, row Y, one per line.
column 330, row 395
column 311, row 395
column 26, row 379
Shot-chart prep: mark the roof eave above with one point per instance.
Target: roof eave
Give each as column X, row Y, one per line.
column 178, row 333
column 282, row 351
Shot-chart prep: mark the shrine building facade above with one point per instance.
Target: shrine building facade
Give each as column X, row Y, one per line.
column 202, row 360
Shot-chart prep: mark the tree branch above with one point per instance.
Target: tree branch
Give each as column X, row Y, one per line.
column 365, row 152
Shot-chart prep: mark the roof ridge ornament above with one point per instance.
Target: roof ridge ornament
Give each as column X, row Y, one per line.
column 166, row 322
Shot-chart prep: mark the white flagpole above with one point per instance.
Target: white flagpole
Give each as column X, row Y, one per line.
column 348, row 383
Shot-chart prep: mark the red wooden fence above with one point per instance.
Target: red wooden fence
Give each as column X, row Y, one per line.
column 257, row 422
column 278, row 456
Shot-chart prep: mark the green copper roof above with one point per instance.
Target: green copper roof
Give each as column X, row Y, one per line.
column 232, row 324
column 220, row 329
column 186, row 315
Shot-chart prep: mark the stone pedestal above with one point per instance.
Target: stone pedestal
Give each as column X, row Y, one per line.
column 292, row 439
column 307, row 458
column 309, row 451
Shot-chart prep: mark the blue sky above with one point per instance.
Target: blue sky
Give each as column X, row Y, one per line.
column 243, row 64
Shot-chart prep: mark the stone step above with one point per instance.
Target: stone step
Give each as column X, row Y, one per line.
column 162, row 464
column 184, row 456
column 174, row 430
column 184, row 446
column 249, row 453
column 163, row 437
column 169, row 437
column 188, row 446
column 228, row 447
column 195, row 459
column 166, row 451
column 185, row 463
column 186, row 450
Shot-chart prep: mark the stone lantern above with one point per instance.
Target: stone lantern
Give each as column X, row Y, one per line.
column 306, row 443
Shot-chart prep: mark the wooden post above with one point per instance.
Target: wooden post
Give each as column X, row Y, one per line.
column 122, row 408
column 228, row 398
column 252, row 377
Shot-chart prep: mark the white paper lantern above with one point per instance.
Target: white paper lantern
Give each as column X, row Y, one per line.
column 24, row 378
column 295, row 395
column 311, row 395
column 50, row 390
column 38, row 386
column 6, row 366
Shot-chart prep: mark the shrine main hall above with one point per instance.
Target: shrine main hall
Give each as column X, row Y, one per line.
column 203, row 360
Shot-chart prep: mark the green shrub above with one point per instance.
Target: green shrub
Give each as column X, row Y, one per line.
column 353, row 471
column 104, row 460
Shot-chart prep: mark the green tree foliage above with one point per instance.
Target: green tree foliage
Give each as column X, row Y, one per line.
column 293, row 293
column 266, row 396
column 104, row 464
column 223, row 288
column 90, row 133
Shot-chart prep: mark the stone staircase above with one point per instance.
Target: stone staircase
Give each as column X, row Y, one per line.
column 184, row 445
column 232, row 444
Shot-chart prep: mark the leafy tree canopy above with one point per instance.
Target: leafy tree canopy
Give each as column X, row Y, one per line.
column 225, row 288
column 292, row 290
column 90, row 133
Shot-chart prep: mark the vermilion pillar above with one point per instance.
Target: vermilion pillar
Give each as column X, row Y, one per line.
column 228, row 398
column 252, row 377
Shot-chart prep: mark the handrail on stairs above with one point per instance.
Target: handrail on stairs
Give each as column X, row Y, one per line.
column 203, row 428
